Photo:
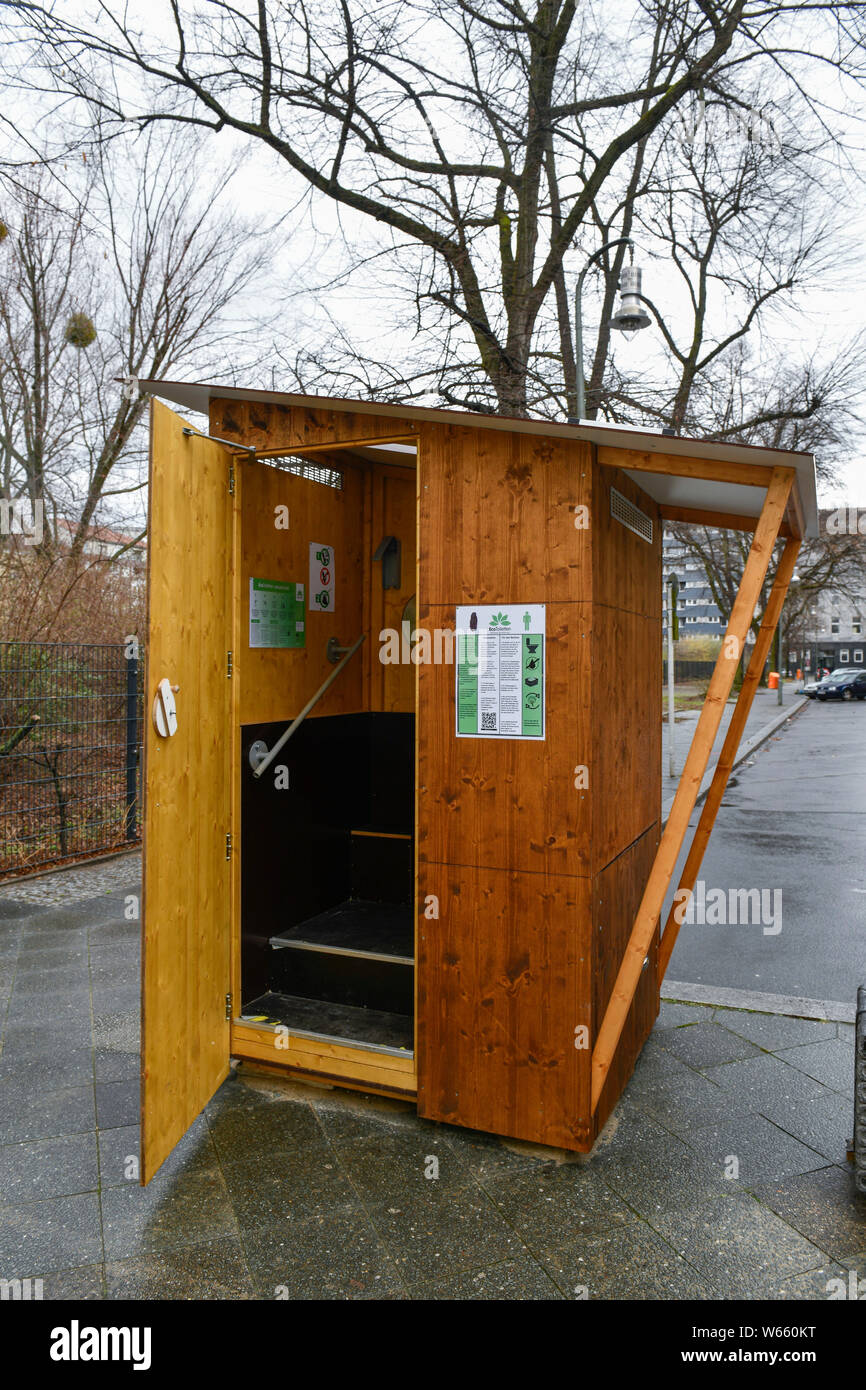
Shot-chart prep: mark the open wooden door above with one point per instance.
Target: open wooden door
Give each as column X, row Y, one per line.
column 187, row 915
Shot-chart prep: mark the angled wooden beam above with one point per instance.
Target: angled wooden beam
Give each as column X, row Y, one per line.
column 711, row 470
column 723, row 521
column 722, row 679
column 711, row 806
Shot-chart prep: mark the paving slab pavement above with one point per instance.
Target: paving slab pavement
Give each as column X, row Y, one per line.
column 722, row 1174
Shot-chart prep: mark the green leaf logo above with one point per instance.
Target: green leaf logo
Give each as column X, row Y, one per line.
column 500, row 620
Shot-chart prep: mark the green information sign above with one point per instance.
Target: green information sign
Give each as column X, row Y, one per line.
column 500, row 671
column 277, row 613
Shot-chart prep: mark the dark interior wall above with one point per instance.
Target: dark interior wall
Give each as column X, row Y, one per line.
column 345, row 772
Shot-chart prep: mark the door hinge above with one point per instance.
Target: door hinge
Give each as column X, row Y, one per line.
column 228, row 1007
column 228, row 846
column 231, row 480
column 230, row 665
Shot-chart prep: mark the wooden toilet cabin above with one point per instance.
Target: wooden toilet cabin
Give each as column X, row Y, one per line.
column 446, row 883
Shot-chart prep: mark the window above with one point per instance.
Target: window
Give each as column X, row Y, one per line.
column 858, row 655
column 856, row 625
column 834, row 626
column 843, row 656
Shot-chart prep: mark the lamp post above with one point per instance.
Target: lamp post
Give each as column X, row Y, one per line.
column 629, row 317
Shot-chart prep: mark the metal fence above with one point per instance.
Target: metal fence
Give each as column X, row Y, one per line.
column 70, row 751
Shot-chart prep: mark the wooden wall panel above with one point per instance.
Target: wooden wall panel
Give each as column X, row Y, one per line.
column 616, row 895
column 276, row 683
column 625, row 775
column 503, row 982
column 509, row 803
column 626, row 569
column 497, row 517
column 186, row 919
column 393, row 513
column 268, row 427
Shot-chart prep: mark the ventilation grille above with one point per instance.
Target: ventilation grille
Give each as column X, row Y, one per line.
column 302, row 468
column 630, row 516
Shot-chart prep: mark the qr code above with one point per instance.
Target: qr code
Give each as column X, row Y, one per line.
column 488, row 722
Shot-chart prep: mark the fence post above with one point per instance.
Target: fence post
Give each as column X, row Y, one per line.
column 131, row 746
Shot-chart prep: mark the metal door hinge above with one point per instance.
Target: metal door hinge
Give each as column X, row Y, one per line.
column 231, row 480
column 230, row 665
column 228, row 846
column 228, row 1007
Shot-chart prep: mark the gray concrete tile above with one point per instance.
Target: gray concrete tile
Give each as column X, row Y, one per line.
column 672, row 1014
column 682, row 1102
column 337, row 1257
column 243, row 1120
column 766, row 1080
column 825, row 1123
column 830, row 1062
column 629, row 1262
column 487, row 1156
column 761, row 1149
column 118, row 1103
column 270, row 1186
column 173, row 1210
column 823, row 1206
column 216, row 1269
column 773, row 1031
column 425, row 1230
column 815, row 1286
column 521, row 1279
column 744, row 1250
column 387, row 1166
column 50, row 1235
column 26, row 1114
column 74, row 1285
column 63, row 1068
column 48, row 1168
column 549, row 1205
column 704, row 1044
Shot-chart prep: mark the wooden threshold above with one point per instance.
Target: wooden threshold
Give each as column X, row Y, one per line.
column 334, row 1062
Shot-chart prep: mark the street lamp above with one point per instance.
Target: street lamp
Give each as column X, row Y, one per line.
column 629, row 318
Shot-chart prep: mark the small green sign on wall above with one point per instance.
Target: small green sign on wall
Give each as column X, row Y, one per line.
column 277, row 615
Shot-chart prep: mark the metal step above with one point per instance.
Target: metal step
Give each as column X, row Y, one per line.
column 336, row 1023
column 360, row 928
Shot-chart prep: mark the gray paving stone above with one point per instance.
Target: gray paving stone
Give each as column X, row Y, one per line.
column 630, row 1262
column 816, row 1285
column 746, row 1251
column 766, row 1080
column 242, row 1121
column 118, row 1103
column 824, row 1123
column 683, row 1102
column 551, row 1205
column 704, row 1044
column 774, row 1031
column 521, row 1279
column 830, row 1062
column 387, row 1166
column 216, row 1269
column 672, row 1014
column 63, row 1068
column 173, row 1210
column 762, row 1150
column 48, row 1168
column 823, row 1206
column 272, row 1186
column 56, row 1234
column 425, row 1230
column 26, row 1114
column 338, row 1257
column 74, row 1285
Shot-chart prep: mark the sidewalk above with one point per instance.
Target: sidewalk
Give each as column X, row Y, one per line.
column 763, row 715
column 322, row 1194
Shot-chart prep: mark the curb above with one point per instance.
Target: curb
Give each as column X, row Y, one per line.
column 826, row 1010
column 744, row 750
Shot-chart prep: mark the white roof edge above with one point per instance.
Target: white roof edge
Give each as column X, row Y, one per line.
column 197, row 396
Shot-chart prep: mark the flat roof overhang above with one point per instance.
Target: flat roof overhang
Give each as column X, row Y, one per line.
column 657, row 471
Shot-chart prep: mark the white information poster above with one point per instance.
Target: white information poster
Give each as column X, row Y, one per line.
column 500, row 667
column 321, row 577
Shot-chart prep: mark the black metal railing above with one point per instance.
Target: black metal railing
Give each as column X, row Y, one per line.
column 70, row 751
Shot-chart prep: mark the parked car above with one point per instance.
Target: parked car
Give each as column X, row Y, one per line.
column 850, row 686
column 814, row 686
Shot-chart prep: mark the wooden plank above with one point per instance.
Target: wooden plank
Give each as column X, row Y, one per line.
column 714, row 797
column 187, row 883
column 712, row 470
column 645, row 924
column 271, row 427
column 503, row 985
column 626, row 569
column 509, row 803
column 497, row 517
column 724, row 521
column 316, row 1056
column 275, row 684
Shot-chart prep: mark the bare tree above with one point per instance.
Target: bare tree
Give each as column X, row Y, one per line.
column 487, row 141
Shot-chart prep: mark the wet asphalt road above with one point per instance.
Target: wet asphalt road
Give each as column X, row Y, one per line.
column 795, row 820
